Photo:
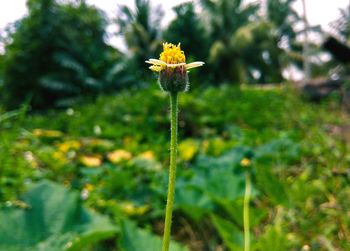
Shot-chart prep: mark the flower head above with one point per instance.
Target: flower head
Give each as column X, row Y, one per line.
column 172, row 68
column 245, row 162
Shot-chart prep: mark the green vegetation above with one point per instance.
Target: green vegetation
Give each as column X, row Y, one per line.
column 115, row 154
column 52, row 61
column 40, row 222
column 84, row 131
column 58, row 55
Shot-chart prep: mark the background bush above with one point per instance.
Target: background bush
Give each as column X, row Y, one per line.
column 57, row 53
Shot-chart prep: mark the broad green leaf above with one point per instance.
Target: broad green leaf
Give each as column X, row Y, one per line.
column 136, row 239
column 282, row 149
column 272, row 240
column 52, row 220
column 192, row 201
column 229, row 233
column 224, row 184
column 220, row 184
column 229, row 160
column 268, row 182
column 235, row 210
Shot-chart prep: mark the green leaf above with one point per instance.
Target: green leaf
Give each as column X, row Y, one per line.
column 235, row 211
column 229, row 233
column 220, row 184
column 268, row 182
column 272, row 240
column 136, row 239
column 223, row 184
column 282, row 149
column 192, row 201
column 53, row 219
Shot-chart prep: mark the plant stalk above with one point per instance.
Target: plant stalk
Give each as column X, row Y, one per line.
column 248, row 188
column 172, row 171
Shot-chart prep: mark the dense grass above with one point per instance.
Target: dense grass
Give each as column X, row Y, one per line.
column 300, row 163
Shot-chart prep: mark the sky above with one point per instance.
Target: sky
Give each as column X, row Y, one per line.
column 320, row 12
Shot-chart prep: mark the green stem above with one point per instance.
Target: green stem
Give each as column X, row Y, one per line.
column 248, row 187
column 172, row 171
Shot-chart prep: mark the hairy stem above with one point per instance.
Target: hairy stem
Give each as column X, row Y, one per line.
column 172, row 171
column 248, row 188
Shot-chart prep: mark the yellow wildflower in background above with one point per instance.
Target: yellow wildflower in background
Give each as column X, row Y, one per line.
column 188, row 149
column 60, row 157
column 98, row 143
column 47, row 133
column 89, row 187
column 245, row 162
column 69, row 145
column 131, row 209
column 118, row 156
column 91, row 160
column 148, row 155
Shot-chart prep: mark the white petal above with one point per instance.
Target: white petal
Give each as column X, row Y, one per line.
column 194, row 65
column 155, row 61
column 156, row 68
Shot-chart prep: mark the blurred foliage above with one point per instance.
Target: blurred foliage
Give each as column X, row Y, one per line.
column 1, row 72
column 135, row 239
column 188, row 29
column 284, row 17
column 342, row 24
column 56, row 54
column 111, row 155
column 117, row 161
column 50, row 218
column 225, row 18
column 141, row 32
column 245, row 47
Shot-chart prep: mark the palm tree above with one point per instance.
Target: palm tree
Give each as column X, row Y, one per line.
column 140, row 29
column 341, row 26
column 306, row 54
column 243, row 44
column 224, row 19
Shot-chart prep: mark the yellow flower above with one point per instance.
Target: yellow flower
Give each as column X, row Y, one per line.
column 172, row 57
column 188, row 149
column 47, row 133
column 148, row 155
column 131, row 209
column 89, row 187
column 205, row 145
column 69, row 145
column 60, row 158
column 91, row 161
column 118, row 156
column 245, row 162
column 98, row 143
column 172, row 68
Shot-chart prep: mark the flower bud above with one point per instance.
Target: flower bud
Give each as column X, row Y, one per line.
column 174, row 79
column 172, row 68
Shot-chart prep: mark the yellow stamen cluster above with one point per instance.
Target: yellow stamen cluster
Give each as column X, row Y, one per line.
column 172, row 54
column 171, row 58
